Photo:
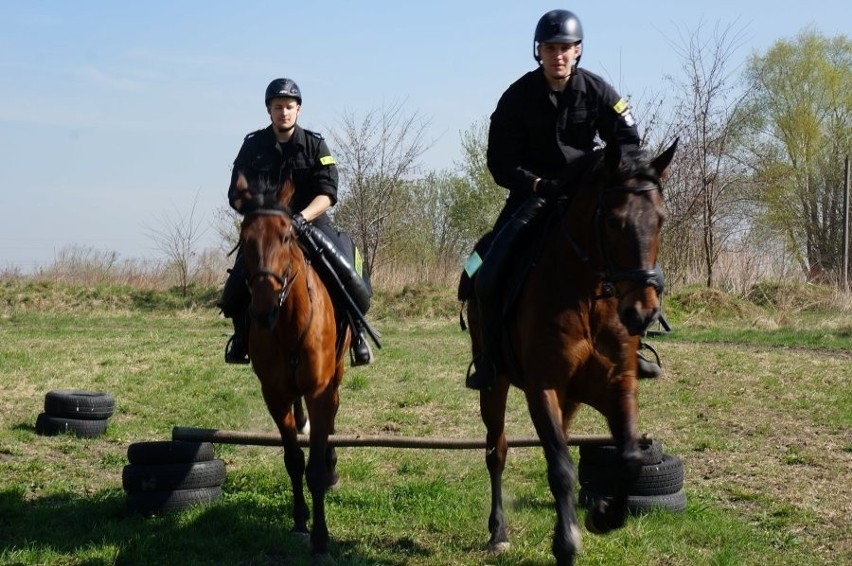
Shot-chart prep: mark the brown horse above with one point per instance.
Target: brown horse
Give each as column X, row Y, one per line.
column 295, row 345
column 574, row 334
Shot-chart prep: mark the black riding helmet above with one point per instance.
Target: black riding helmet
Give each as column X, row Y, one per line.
column 283, row 87
column 557, row 26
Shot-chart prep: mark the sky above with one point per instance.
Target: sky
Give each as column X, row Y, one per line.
column 116, row 115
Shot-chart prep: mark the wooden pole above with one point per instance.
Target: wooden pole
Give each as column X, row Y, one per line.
column 270, row 439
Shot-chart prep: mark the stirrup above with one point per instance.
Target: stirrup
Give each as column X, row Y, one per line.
column 360, row 353
column 645, row 368
column 230, row 357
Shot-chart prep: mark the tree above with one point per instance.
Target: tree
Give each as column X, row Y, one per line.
column 477, row 199
column 377, row 157
column 705, row 192
column 178, row 236
column 800, row 109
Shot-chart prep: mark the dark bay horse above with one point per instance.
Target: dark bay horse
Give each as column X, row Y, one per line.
column 574, row 334
column 296, row 346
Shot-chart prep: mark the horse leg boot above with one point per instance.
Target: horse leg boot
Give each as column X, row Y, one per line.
column 488, row 287
column 234, row 304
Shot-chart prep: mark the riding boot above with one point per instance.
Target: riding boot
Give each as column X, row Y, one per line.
column 360, row 352
column 234, row 304
column 488, row 285
column 236, row 350
column 647, row 369
column 339, row 264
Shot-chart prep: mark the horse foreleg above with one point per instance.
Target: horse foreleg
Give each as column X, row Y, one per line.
column 546, row 416
column 294, row 460
column 492, row 406
column 322, row 411
column 608, row 515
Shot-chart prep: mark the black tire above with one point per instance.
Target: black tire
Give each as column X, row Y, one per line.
column 76, row 404
column 652, row 453
column 156, row 502
column 639, row 504
column 169, row 452
column 168, row 477
column 654, row 479
column 49, row 425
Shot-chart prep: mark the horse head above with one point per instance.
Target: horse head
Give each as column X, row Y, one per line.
column 269, row 246
column 626, row 223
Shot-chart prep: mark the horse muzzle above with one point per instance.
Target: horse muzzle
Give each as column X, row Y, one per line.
column 638, row 293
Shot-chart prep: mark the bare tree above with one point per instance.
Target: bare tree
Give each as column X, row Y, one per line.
column 377, row 157
column 227, row 225
column 177, row 236
column 705, row 197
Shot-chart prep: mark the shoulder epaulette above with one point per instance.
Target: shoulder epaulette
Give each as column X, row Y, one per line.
column 315, row 134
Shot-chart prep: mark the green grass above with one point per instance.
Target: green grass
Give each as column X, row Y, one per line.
column 758, row 413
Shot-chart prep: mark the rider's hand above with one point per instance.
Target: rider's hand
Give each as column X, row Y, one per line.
column 550, row 188
column 299, row 224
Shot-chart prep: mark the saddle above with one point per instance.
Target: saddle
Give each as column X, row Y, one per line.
column 521, row 261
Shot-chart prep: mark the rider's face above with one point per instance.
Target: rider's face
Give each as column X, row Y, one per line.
column 558, row 58
column 284, row 112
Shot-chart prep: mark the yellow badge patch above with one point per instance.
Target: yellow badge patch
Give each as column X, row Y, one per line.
column 620, row 106
column 327, row 160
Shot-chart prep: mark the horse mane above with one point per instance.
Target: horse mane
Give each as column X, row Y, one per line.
column 265, row 194
column 632, row 162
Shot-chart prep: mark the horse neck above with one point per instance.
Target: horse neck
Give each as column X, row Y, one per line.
column 578, row 230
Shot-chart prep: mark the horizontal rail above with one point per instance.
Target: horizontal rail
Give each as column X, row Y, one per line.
column 270, row 439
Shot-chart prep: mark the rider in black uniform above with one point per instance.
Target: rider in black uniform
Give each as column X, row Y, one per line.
column 284, row 147
column 543, row 124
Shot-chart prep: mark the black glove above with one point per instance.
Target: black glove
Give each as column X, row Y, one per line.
column 550, row 188
column 299, row 224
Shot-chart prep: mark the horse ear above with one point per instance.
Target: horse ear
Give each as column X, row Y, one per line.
column 661, row 163
column 285, row 193
column 241, row 195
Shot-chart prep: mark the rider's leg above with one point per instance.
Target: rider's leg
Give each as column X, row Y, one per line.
column 487, row 288
column 346, row 280
column 234, row 304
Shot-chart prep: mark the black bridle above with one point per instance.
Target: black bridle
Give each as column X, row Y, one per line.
column 284, row 279
column 610, row 274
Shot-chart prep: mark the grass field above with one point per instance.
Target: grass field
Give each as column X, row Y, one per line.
column 756, row 402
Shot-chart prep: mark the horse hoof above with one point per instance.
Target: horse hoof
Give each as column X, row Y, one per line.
column 592, row 527
column 596, row 519
column 333, row 482
column 498, row 547
column 324, row 559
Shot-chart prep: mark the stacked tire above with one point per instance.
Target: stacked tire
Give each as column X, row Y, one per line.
column 166, row 476
column 84, row 414
column 659, row 484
